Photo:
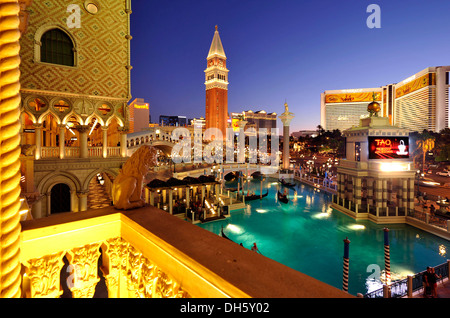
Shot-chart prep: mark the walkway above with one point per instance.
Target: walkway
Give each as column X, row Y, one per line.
column 443, row 290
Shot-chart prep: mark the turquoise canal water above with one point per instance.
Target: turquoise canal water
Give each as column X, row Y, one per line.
column 307, row 235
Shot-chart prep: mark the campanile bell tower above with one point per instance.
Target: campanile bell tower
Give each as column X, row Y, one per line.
column 216, row 82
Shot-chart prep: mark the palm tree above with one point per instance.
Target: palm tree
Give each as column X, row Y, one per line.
column 425, row 142
column 320, row 129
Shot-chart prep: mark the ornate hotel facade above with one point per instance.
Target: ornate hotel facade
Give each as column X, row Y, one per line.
column 416, row 103
column 75, row 85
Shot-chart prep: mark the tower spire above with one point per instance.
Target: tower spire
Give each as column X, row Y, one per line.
column 216, row 48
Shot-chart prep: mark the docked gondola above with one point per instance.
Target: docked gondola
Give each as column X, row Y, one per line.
column 255, row 196
column 224, row 236
column 282, row 198
column 287, row 184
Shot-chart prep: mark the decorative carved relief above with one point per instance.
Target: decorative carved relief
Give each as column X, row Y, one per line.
column 134, row 271
column 85, row 264
column 43, row 275
column 112, row 258
column 143, row 278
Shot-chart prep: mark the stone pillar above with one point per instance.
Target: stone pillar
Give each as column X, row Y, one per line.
column 123, row 142
column 105, row 141
column 188, row 196
column 400, row 193
column 411, row 194
column 378, row 193
column 38, row 140
column 241, row 142
column 286, row 118
column 152, row 198
column 83, row 130
column 357, row 191
column 340, row 180
column 405, row 193
column 82, row 199
column 170, row 201
column 62, row 139
column 370, row 198
column 385, row 193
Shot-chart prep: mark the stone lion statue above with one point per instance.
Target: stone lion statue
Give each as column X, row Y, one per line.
column 127, row 186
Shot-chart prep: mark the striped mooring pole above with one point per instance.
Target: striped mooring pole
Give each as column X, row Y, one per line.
column 387, row 257
column 346, row 263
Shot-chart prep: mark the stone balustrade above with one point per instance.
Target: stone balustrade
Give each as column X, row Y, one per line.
column 74, row 152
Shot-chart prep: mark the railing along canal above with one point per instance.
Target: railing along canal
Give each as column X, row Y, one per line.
column 408, row 286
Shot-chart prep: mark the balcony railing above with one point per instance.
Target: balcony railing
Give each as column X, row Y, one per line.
column 148, row 253
column 74, row 152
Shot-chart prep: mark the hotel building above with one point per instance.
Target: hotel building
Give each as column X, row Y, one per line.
column 342, row 109
column 419, row 102
column 139, row 115
column 75, row 88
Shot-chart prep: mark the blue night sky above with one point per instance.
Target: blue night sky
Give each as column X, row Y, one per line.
column 280, row 50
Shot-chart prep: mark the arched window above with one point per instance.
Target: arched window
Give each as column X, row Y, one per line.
column 57, row 48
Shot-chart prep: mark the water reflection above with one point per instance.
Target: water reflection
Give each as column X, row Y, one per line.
column 308, row 234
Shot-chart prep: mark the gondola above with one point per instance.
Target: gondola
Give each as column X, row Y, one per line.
column 282, row 198
column 224, row 236
column 287, row 184
column 255, row 196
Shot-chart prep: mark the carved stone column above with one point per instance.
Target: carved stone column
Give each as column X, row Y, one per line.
column 84, row 261
column 42, row 279
column 83, row 130
column 62, row 139
column 10, row 277
column 38, row 140
column 105, row 141
column 123, row 141
column 83, row 200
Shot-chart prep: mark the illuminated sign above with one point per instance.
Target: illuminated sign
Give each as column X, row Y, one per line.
column 352, row 97
column 388, row 147
column 235, row 124
column 144, row 106
column 416, row 84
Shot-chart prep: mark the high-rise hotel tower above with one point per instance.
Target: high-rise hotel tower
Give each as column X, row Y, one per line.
column 419, row 102
column 216, row 82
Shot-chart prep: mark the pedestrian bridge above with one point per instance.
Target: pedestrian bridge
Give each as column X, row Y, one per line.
column 247, row 169
column 155, row 137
